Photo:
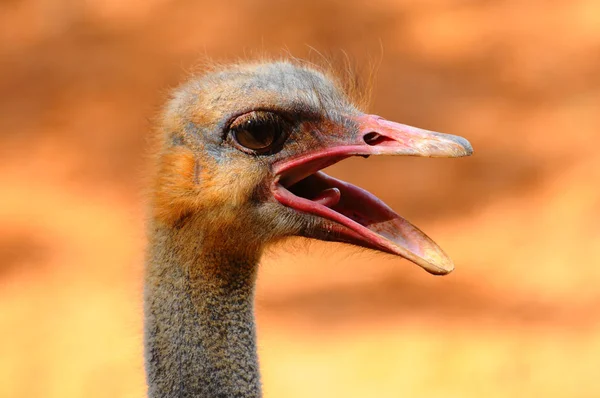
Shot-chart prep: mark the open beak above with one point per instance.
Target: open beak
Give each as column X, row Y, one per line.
column 353, row 214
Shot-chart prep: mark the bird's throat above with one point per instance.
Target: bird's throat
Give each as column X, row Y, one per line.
column 200, row 338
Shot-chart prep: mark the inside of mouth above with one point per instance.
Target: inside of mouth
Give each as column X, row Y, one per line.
column 307, row 181
column 307, row 169
column 320, row 189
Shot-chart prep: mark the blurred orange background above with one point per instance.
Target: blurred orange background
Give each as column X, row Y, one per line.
column 519, row 317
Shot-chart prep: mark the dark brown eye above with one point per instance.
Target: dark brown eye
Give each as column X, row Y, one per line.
column 259, row 131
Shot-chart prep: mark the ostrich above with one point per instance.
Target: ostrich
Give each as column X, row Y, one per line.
column 239, row 167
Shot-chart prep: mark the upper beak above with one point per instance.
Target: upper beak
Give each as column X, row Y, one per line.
column 383, row 137
column 374, row 135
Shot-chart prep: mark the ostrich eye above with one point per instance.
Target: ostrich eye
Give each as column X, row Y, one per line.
column 259, row 132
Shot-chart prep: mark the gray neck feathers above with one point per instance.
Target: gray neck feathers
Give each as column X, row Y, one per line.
column 200, row 338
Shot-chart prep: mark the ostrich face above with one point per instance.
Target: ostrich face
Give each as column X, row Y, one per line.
column 244, row 148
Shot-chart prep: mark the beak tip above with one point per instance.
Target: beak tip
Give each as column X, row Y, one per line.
column 440, row 271
column 466, row 149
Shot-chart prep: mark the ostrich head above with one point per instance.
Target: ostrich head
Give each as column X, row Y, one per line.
column 242, row 153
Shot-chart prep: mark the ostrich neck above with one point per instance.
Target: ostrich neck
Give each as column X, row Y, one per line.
column 200, row 338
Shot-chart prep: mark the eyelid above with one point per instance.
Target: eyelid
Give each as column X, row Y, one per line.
column 236, row 124
column 286, row 115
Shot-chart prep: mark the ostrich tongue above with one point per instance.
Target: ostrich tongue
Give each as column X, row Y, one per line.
column 358, row 216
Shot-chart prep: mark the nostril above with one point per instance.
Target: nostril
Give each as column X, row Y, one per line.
column 375, row 139
column 371, row 138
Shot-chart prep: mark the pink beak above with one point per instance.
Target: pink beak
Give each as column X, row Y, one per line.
column 360, row 217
